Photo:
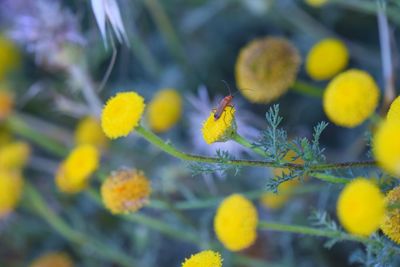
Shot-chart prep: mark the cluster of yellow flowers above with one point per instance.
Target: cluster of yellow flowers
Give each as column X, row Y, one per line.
column 386, row 141
column 10, row 58
column 122, row 113
column 74, row 172
column 14, row 155
column 362, row 209
column 235, row 222
column 221, row 129
column 125, row 191
column 207, row 258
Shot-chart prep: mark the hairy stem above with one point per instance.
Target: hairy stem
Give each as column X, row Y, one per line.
column 244, row 142
column 168, row 148
column 297, row 229
column 330, row 178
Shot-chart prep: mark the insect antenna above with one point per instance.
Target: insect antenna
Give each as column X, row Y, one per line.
column 227, row 85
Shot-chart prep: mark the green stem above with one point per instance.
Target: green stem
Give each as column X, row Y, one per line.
column 154, row 224
column 102, row 250
column 168, row 148
column 307, row 89
column 20, row 127
column 297, row 229
column 329, row 178
column 244, row 142
column 214, row 201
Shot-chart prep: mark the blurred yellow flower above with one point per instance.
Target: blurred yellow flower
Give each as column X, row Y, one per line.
column 316, row 3
column 277, row 200
column 386, row 147
column 14, row 155
column 125, row 191
column 219, row 130
column 122, row 114
column 266, row 68
column 391, row 223
column 74, row 172
column 327, row 58
column 165, row 110
column 361, row 207
column 350, row 98
column 235, row 222
column 206, row 258
column 6, row 103
column 10, row 57
column 5, row 135
column 53, row 259
column 89, row 132
column 394, row 111
column 11, row 185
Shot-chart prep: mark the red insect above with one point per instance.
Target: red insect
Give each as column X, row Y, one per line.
column 226, row 101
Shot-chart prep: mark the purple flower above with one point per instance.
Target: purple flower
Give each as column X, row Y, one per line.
column 43, row 27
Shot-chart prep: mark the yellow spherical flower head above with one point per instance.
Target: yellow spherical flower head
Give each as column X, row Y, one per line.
column 326, row 59
column 221, row 129
column 89, row 132
column 11, row 185
column 74, row 172
column 386, row 147
column 122, row 114
column 207, row 258
column 9, row 57
column 125, row 191
column 394, row 111
column 266, row 68
column 316, row 3
column 14, row 155
column 390, row 225
column 6, row 103
column 361, row 207
column 350, row 98
column 277, row 200
column 165, row 110
column 235, row 223
column 53, row 259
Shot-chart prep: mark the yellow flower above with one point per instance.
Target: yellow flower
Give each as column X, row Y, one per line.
column 125, row 191
column 391, row 222
column 206, row 258
column 89, row 132
column 316, row 3
column 164, row 110
column 53, row 259
column 394, row 111
column 350, row 98
column 6, row 103
column 386, row 147
column 122, row 114
column 277, row 200
column 9, row 57
column 219, row 130
column 14, row 155
column 235, row 223
column 11, row 184
column 266, row 68
column 361, row 207
column 326, row 59
column 74, row 172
